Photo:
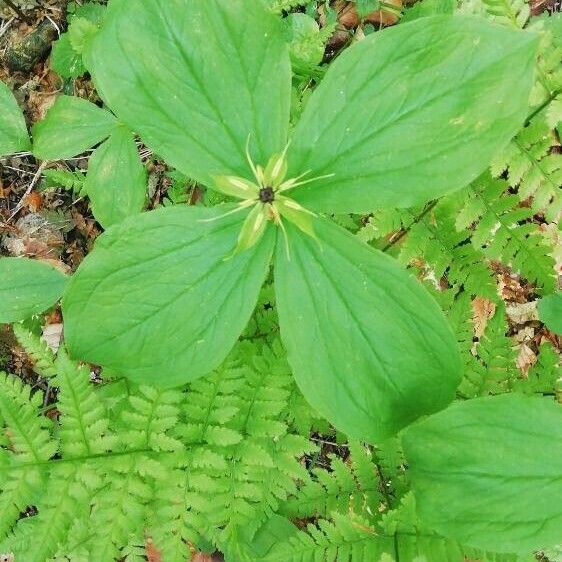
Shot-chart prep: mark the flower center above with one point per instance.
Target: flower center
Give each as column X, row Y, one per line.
column 267, row 195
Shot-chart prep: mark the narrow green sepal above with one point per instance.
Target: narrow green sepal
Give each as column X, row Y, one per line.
column 252, row 229
column 297, row 214
column 236, row 187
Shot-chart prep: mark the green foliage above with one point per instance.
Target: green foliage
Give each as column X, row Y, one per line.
column 355, row 146
column 13, row 131
column 363, row 126
column 208, row 464
column 280, row 6
column 550, row 312
column 74, row 181
column 226, row 461
column 356, row 377
column 533, row 168
column 116, row 182
column 83, row 22
column 471, row 481
column 28, row 287
column 510, row 12
column 503, row 231
column 492, row 369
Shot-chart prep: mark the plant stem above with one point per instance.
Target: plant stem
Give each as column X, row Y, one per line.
column 431, row 205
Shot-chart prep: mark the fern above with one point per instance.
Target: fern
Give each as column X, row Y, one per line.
column 240, row 448
column 493, row 368
column 502, row 230
column 544, row 375
column 349, row 539
column 74, row 182
column 42, row 356
column 510, row 12
column 448, row 253
column 534, row 169
column 280, row 6
column 353, row 486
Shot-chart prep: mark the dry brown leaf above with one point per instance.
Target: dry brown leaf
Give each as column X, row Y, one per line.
column 52, row 336
column 34, row 201
column 152, row 553
column 525, row 359
column 482, row 310
column 349, row 18
column 522, row 313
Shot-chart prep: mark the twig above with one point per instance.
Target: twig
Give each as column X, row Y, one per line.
column 5, row 26
column 404, row 231
column 18, row 11
column 29, row 189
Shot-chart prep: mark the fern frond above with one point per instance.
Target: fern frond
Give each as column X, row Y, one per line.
column 84, row 423
column 534, row 169
column 502, row 230
column 119, row 508
column 56, row 513
column 510, row 12
column 151, row 414
column 29, row 432
column 544, row 375
column 354, row 486
column 447, row 252
column 280, row 6
column 239, row 446
column 37, row 349
column 493, row 369
column 70, row 181
column 343, row 539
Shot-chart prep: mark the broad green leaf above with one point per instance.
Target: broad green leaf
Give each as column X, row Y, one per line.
column 13, row 132
column 427, row 8
column 368, row 346
column 65, row 61
column 71, row 126
column 488, row 472
column 412, row 113
column 157, row 301
column 195, row 78
column 27, row 287
column 116, row 182
column 550, row 312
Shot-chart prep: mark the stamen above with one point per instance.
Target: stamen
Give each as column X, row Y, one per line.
column 249, row 158
column 285, row 187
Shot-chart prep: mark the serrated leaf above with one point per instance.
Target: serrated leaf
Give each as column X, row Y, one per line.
column 13, row 131
column 117, row 180
column 222, row 436
column 368, row 346
column 412, row 113
column 27, row 287
column 194, row 92
column 65, row 61
column 71, row 126
column 488, row 472
column 157, row 301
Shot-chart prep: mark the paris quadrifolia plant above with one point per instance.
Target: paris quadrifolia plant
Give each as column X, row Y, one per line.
column 402, row 117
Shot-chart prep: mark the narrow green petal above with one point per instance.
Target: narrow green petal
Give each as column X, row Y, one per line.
column 252, row 229
column 297, row 214
column 233, row 186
